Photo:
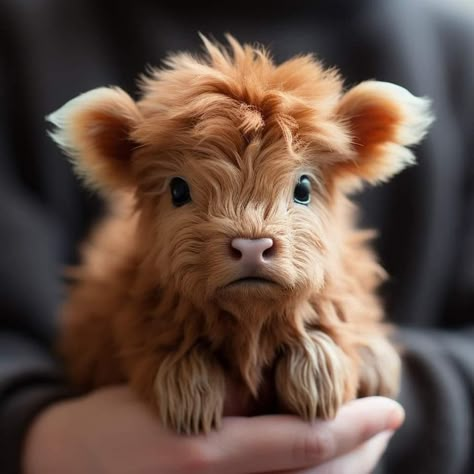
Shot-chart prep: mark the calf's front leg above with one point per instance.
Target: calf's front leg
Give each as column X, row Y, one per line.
column 186, row 386
column 380, row 367
column 314, row 377
column 190, row 391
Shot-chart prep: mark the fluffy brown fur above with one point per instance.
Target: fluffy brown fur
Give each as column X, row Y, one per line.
column 154, row 304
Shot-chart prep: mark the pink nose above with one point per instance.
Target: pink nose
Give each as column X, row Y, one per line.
column 252, row 252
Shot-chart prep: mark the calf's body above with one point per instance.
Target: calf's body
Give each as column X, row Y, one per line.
column 230, row 254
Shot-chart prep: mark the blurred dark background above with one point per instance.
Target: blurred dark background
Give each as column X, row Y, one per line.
column 53, row 50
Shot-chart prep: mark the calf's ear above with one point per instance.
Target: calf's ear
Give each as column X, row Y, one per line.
column 94, row 131
column 383, row 120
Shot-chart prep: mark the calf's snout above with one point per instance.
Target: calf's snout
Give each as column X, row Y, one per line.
column 252, row 252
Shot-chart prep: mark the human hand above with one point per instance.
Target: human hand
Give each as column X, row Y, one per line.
column 111, row 431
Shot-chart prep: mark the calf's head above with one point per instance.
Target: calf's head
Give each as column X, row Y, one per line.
column 237, row 164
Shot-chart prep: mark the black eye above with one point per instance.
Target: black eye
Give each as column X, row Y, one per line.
column 180, row 194
column 302, row 193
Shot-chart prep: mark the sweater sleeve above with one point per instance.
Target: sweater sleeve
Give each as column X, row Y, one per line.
column 29, row 380
column 30, row 377
column 438, row 396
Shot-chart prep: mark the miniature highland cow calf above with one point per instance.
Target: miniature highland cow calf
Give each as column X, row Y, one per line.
column 230, row 252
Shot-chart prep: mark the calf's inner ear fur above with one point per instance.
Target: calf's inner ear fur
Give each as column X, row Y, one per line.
column 383, row 120
column 94, row 131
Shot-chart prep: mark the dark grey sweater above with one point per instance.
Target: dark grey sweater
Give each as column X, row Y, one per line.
column 52, row 50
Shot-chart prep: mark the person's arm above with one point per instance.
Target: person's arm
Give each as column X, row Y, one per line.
column 29, row 382
column 438, row 382
column 30, row 377
column 438, row 396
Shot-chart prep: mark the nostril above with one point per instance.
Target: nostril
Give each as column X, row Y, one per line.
column 269, row 252
column 235, row 253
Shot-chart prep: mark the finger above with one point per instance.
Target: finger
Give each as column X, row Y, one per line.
column 273, row 443
column 362, row 460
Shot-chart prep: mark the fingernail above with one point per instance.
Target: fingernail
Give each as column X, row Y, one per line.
column 396, row 418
